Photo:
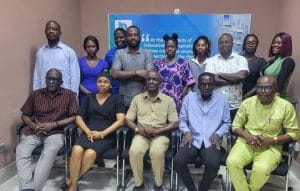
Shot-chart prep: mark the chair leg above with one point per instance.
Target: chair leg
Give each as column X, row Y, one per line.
column 287, row 182
column 117, row 171
column 123, row 174
column 171, row 176
column 66, row 167
column 176, row 181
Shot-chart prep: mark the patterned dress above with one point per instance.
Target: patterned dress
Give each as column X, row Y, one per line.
column 174, row 78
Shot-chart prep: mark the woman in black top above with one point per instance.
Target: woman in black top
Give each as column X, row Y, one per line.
column 254, row 63
column 99, row 116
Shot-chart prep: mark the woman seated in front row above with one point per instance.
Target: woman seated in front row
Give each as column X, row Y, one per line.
column 99, row 116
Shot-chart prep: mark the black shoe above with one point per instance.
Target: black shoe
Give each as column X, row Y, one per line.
column 158, row 188
column 100, row 162
column 139, row 188
column 64, row 186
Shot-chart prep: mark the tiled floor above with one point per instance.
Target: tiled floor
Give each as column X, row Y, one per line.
column 104, row 179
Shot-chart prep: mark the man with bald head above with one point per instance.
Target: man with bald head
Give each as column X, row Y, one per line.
column 263, row 124
column 45, row 113
column 56, row 54
column 151, row 115
column 230, row 70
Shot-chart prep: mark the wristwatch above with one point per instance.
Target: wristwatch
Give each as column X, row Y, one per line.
column 136, row 130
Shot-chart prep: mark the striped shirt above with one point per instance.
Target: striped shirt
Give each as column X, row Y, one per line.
column 44, row 108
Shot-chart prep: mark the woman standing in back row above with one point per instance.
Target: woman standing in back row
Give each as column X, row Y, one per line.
column 176, row 75
column 281, row 65
column 201, row 51
column 90, row 67
column 255, row 65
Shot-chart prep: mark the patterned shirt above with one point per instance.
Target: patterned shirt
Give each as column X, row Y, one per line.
column 174, row 77
column 155, row 112
column 127, row 61
column 203, row 118
column 269, row 120
column 43, row 108
column 234, row 63
column 60, row 57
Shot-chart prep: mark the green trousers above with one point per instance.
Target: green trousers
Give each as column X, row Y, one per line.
column 265, row 160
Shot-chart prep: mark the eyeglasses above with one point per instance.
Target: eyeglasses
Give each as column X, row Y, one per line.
column 264, row 88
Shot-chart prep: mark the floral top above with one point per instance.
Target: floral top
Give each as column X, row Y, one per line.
column 174, row 77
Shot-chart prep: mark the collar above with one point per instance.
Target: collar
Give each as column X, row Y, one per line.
column 197, row 62
column 59, row 45
column 136, row 52
column 158, row 96
column 232, row 55
column 59, row 91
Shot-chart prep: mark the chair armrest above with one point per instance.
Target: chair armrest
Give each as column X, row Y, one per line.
column 71, row 130
column 176, row 135
column 19, row 128
column 125, row 130
column 229, row 140
column 291, row 147
column 118, row 133
column 71, row 134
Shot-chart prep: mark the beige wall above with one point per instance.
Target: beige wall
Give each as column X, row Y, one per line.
column 22, row 33
column 289, row 22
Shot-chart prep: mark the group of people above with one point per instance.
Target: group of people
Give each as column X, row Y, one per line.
column 202, row 96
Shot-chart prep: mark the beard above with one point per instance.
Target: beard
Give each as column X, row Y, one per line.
column 206, row 96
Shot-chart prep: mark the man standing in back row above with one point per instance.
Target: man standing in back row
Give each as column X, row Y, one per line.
column 130, row 66
column 230, row 70
column 120, row 42
column 56, row 54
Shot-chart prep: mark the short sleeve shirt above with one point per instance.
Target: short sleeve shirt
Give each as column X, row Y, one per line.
column 44, row 108
column 127, row 61
column 234, row 63
column 156, row 112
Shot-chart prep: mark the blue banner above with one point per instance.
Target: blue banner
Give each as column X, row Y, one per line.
column 187, row 26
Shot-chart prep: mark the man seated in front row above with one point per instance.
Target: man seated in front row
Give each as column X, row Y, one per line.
column 156, row 116
column 45, row 113
column 204, row 119
column 263, row 123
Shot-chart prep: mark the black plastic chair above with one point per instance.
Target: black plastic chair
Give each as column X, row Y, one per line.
column 65, row 150
column 170, row 153
column 111, row 154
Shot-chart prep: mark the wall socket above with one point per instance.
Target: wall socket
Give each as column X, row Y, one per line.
column 2, row 148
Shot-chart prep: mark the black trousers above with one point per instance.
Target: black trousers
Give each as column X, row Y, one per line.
column 211, row 158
